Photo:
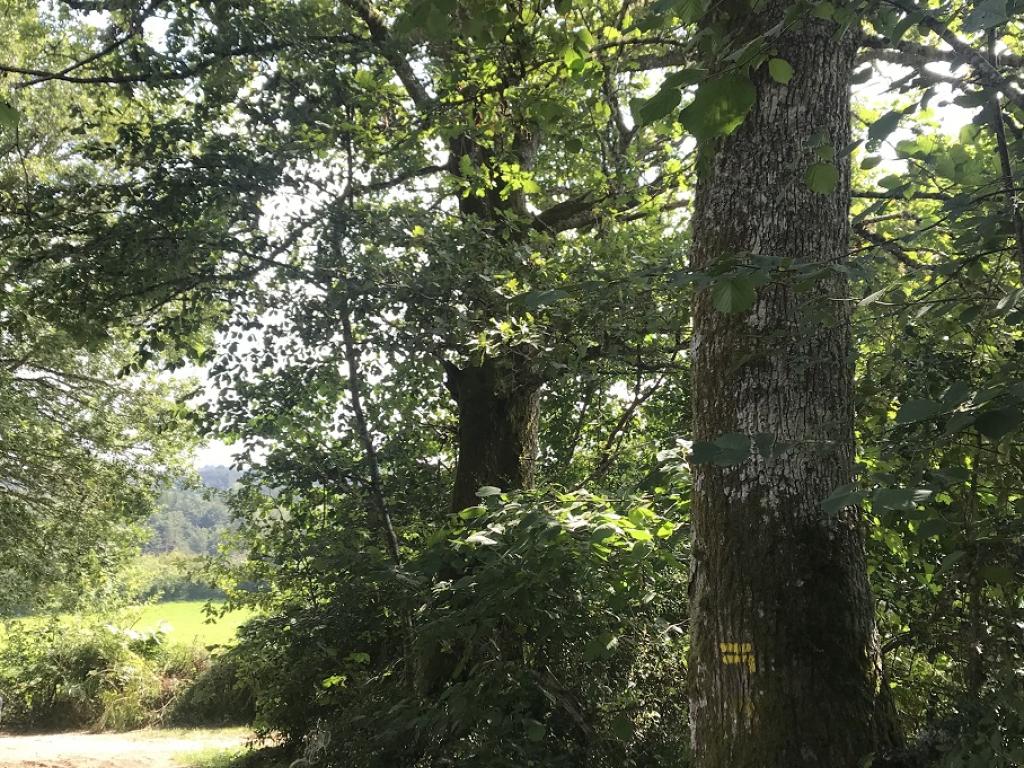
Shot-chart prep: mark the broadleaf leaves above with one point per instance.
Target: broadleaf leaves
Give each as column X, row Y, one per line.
column 719, row 106
column 987, row 14
column 733, row 294
column 780, row 70
column 9, row 116
column 822, row 178
column 660, row 105
column 917, row 410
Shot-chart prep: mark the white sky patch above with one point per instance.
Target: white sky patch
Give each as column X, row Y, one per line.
column 215, row 452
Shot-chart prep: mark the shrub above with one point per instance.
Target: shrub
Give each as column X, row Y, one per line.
column 169, row 577
column 101, row 677
column 217, row 695
column 541, row 631
column 61, row 676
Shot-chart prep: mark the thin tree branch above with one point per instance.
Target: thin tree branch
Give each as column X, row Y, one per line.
column 1006, row 165
column 978, row 62
column 355, row 386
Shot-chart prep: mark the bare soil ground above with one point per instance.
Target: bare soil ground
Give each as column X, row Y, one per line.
column 136, row 749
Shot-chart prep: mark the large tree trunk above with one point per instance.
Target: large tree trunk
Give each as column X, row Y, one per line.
column 784, row 666
column 498, row 400
column 497, row 439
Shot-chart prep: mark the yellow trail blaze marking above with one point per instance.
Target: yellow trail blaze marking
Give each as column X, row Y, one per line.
column 739, row 653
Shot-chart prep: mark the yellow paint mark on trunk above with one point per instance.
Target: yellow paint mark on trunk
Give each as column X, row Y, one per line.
column 739, row 653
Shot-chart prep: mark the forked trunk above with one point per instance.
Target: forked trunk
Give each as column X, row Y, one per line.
column 785, row 666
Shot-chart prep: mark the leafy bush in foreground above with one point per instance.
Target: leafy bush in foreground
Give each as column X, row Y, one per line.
column 533, row 631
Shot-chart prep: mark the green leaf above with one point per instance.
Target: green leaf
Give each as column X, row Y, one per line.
column 871, row 298
column 538, row 299
column 687, row 76
column 487, row 490
column 950, row 560
column 891, row 182
column 862, row 75
column 894, row 498
column 998, row 423
column 956, row 393
column 885, row 125
column 622, row 728
column 824, row 10
column 780, row 70
column 724, row 451
column 438, row 24
column 640, row 534
column 842, row 497
column 599, row 646
column 703, row 453
column 969, row 314
column 733, row 294
column 959, row 421
column 936, row 526
column 732, row 448
column 997, row 574
column 917, row 410
column 733, row 441
column 719, row 107
column 822, row 178
column 481, row 538
column 987, row 14
column 826, row 153
column 870, row 162
column 9, row 116
column 658, row 106
column 534, row 730
column 766, row 443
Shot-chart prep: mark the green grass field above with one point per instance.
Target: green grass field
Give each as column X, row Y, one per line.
column 184, row 621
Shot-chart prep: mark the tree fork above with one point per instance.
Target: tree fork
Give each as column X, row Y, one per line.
column 785, row 668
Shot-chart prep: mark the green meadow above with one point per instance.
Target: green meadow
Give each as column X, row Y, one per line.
column 185, row 622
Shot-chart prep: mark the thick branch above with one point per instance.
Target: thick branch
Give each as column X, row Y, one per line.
column 918, row 54
column 381, row 37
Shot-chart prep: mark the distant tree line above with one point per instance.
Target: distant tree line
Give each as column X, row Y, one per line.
column 190, row 520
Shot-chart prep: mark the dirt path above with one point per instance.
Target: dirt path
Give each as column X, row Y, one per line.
column 136, row 749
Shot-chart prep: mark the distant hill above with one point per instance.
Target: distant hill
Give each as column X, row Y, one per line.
column 191, row 521
column 220, row 477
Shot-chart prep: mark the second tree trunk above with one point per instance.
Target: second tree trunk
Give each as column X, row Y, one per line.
column 784, row 667
column 497, row 438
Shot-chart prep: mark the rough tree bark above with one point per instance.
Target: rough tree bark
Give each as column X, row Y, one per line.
column 785, row 666
column 497, row 439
